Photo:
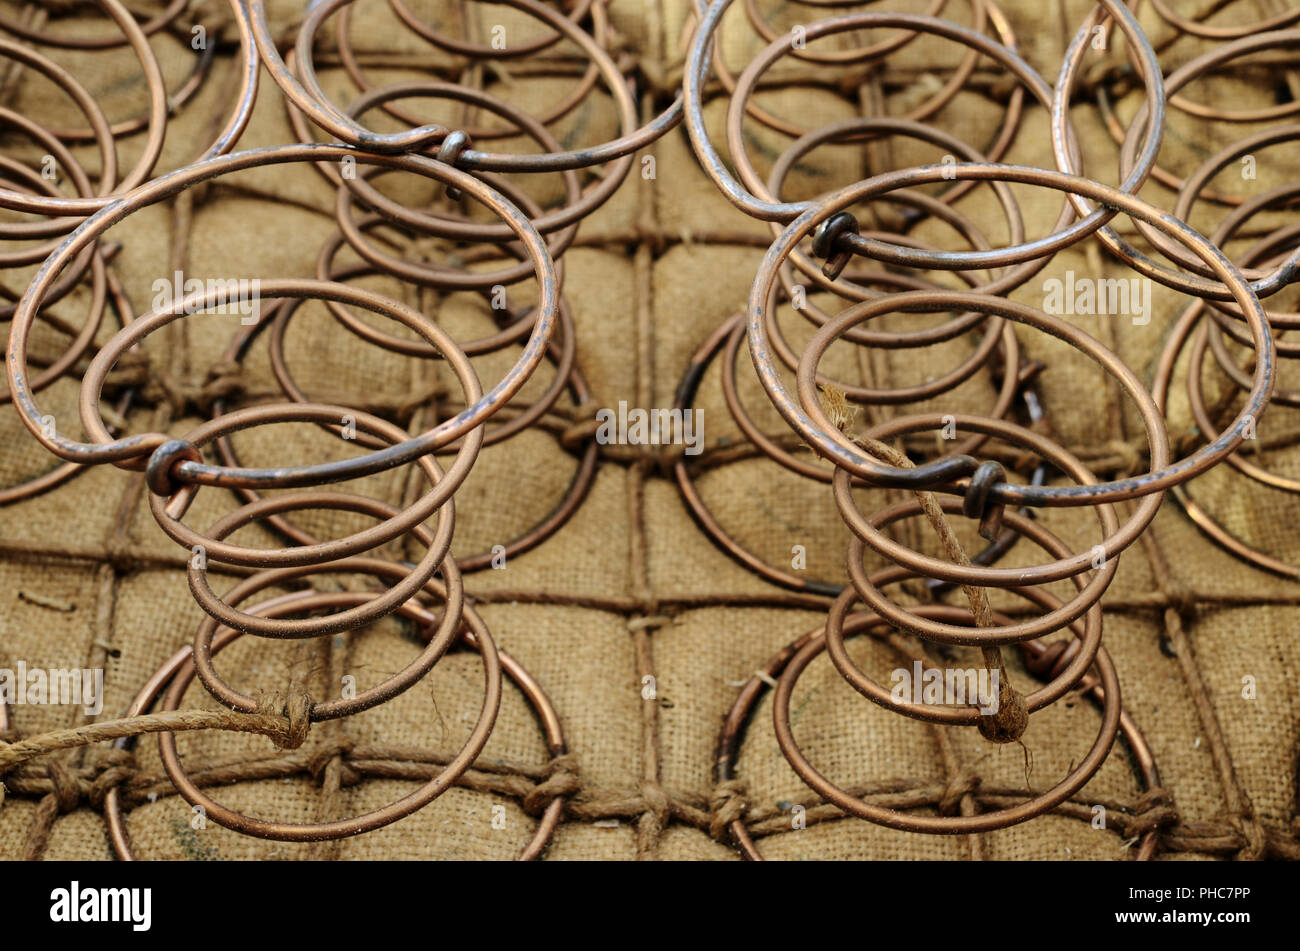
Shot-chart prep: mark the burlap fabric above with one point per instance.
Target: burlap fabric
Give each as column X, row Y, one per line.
column 630, row 587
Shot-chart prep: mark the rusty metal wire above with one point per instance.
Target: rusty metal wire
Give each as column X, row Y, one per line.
column 880, row 272
column 175, row 469
column 817, row 247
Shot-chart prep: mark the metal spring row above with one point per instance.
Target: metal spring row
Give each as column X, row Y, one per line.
column 529, row 241
column 877, row 272
column 524, row 244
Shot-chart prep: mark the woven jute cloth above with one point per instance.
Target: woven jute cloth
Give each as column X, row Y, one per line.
column 630, row 587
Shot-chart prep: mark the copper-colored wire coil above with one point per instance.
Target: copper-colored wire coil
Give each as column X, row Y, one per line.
column 567, row 376
column 724, row 344
column 837, row 239
column 66, row 213
column 182, row 662
column 1196, row 28
column 540, row 331
column 814, row 641
column 531, row 240
column 874, row 51
column 297, row 80
column 833, row 446
column 153, row 25
column 589, row 79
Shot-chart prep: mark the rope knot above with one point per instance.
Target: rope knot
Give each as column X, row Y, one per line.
column 668, row 456
column 66, row 786
column 727, row 804
column 330, row 753
column 117, row 550
column 583, row 428
column 295, row 709
column 1154, row 809
column 960, row 785
column 1256, row 838
column 162, row 387
column 655, row 239
column 563, row 778
column 658, row 807
column 224, row 380
column 1180, row 600
column 1011, row 719
column 113, row 767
